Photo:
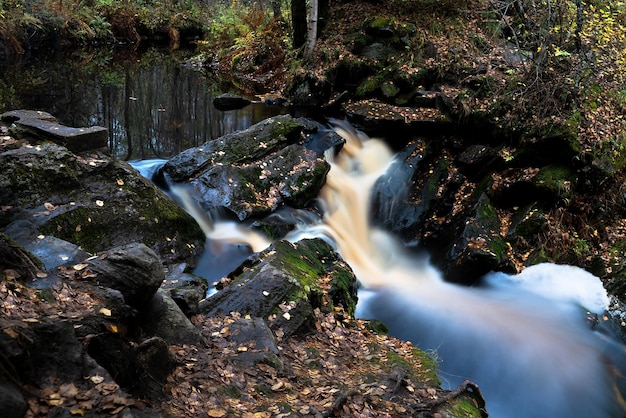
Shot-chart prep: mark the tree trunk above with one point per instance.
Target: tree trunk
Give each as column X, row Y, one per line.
column 310, row 45
column 298, row 22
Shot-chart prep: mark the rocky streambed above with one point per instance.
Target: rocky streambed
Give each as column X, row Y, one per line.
column 100, row 315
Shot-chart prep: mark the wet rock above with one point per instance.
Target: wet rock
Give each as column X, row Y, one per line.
column 28, row 124
column 134, row 269
column 396, row 203
column 228, row 101
column 480, row 248
column 93, row 201
column 163, row 318
column 238, row 148
column 292, row 176
column 51, row 251
column 187, row 290
column 285, row 283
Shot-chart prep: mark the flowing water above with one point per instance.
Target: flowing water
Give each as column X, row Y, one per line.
column 523, row 339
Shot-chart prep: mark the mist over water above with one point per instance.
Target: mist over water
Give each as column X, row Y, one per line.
column 523, row 339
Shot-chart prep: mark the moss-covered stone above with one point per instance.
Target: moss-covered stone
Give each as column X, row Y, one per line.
column 96, row 202
column 480, row 247
column 285, row 283
column 555, row 182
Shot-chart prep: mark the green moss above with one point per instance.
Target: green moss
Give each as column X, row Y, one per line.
column 342, row 290
column 464, row 408
column 379, row 327
column 428, row 372
column 556, row 180
column 380, row 23
column 302, row 263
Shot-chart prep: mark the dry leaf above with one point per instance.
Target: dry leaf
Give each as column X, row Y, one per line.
column 30, row 320
column 97, row 379
column 99, row 203
column 80, row 266
column 105, row 311
column 120, row 182
column 217, row 413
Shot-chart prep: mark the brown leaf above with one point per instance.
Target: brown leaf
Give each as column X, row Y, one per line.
column 217, row 413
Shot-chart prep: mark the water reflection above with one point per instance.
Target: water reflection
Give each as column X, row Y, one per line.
column 153, row 105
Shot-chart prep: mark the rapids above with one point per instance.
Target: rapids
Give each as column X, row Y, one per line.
column 523, row 339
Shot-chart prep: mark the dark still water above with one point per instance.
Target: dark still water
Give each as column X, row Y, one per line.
column 154, row 103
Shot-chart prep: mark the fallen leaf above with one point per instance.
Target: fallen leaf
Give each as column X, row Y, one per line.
column 217, row 413
column 80, row 266
column 120, row 182
column 96, row 379
column 99, row 203
column 30, row 320
column 105, row 311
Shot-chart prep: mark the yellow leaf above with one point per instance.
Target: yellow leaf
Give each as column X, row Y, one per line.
column 217, row 413
column 80, row 266
column 105, row 311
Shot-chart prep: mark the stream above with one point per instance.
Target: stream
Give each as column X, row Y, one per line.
column 525, row 339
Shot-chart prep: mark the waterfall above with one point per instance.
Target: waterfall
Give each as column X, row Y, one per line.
column 523, row 339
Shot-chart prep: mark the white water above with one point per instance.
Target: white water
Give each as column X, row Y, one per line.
column 523, row 339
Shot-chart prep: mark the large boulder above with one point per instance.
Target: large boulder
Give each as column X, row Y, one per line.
column 285, row 283
column 237, row 148
column 92, row 201
column 254, row 172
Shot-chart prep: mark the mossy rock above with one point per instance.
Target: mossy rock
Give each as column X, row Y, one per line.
column 552, row 144
column 237, row 148
column 285, row 283
column 480, row 248
column 292, row 176
column 96, row 202
column 555, row 182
